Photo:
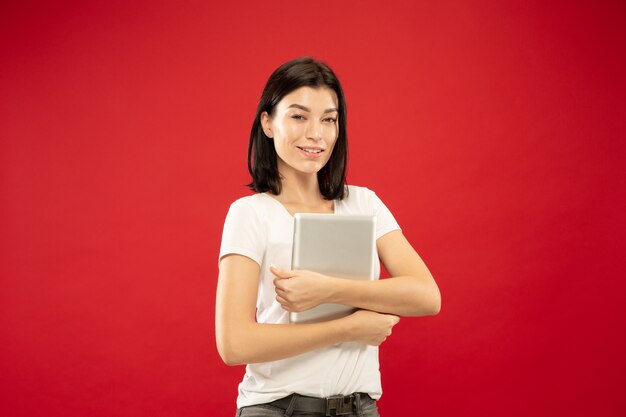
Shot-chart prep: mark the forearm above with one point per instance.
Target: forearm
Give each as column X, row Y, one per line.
column 402, row 295
column 257, row 342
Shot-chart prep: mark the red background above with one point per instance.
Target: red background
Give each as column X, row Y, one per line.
column 494, row 131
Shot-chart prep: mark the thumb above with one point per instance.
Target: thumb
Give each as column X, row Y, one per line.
column 279, row 272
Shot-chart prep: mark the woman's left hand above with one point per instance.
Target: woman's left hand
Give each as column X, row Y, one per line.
column 299, row 290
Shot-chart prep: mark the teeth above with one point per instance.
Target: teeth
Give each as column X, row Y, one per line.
column 311, row 150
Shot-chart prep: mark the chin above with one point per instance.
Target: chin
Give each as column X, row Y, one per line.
column 306, row 167
column 310, row 169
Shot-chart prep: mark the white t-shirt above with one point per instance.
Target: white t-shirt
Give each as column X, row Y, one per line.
column 260, row 228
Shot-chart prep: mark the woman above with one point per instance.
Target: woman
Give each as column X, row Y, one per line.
column 297, row 159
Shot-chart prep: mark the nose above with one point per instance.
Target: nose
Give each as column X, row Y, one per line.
column 314, row 130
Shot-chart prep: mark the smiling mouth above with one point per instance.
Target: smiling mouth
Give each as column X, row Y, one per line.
column 310, row 150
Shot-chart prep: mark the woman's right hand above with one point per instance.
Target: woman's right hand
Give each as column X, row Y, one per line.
column 370, row 327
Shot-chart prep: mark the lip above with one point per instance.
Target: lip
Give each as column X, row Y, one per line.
column 311, row 155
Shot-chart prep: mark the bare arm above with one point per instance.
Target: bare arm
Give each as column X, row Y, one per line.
column 411, row 292
column 240, row 339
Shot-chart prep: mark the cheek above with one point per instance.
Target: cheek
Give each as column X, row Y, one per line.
column 330, row 132
column 332, row 148
column 289, row 132
column 294, row 131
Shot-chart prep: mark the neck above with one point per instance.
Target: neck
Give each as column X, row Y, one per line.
column 298, row 187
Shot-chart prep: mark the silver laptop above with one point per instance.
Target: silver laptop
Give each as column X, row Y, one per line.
column 340, row 245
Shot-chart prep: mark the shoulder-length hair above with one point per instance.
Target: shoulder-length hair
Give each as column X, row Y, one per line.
column 262, row 158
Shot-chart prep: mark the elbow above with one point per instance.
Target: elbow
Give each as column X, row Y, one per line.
column 227, row 349
column 229, row 356
column 430, row 304
column 436, row 302
column 436, row 308
column 426, row 298
column 230, row 359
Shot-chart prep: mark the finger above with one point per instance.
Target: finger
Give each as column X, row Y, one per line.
column 278, row 283
column 284, row 303
column 281, row 291
column 280, row 273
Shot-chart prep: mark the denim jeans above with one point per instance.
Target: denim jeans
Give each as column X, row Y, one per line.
column 366, row 407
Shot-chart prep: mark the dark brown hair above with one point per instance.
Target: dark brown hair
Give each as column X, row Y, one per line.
column 262, row 158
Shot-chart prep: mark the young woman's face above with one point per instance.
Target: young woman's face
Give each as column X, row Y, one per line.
column 304, row 129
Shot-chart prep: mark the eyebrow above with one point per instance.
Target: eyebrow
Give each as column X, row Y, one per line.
column 301, row 107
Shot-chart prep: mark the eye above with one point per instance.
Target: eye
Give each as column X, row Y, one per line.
column 330, row 120
column 297, row 117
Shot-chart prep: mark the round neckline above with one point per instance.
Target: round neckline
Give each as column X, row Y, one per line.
column 289, row 213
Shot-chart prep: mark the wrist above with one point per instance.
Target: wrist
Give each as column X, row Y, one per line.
column 345, row 329
column 334, row 290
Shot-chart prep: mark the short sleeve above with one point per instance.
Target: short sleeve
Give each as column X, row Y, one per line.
column 385, row 222
column 243, row 233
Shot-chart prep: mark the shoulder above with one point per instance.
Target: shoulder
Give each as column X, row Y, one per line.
column 251, row 206
column 363, row 198
column 358, row 194
column 244, row 230
column 358, row 190
column 359, row 199
column 254, row 200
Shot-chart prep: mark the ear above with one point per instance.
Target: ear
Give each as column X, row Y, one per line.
column 266, row 124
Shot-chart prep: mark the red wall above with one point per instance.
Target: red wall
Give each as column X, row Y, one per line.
column 494, row 131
